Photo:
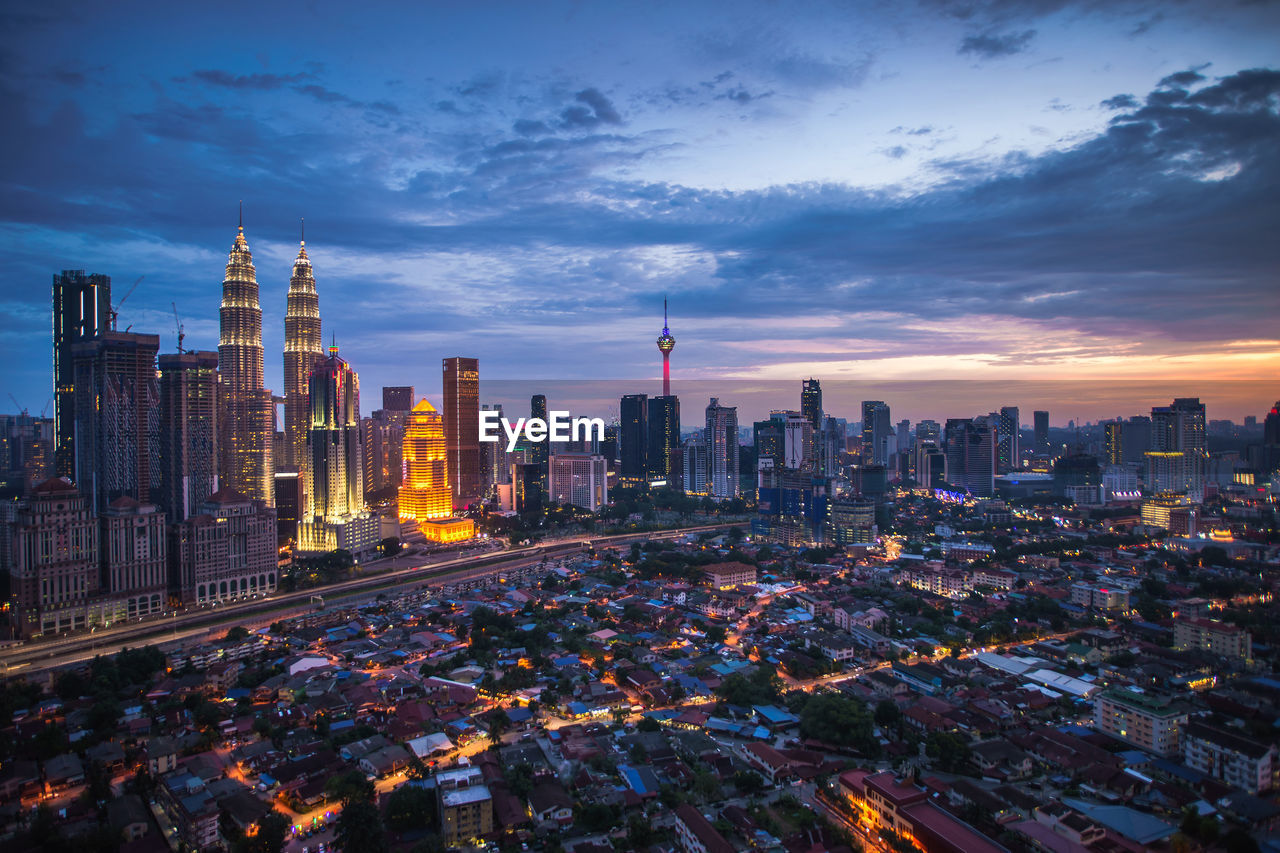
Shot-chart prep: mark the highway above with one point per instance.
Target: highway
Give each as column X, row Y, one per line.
column 176, row 627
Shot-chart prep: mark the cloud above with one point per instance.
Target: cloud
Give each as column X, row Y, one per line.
column 1181, row 79
column 1120, row 102
column 593, row 109
column 251, row 82
column 994, row 45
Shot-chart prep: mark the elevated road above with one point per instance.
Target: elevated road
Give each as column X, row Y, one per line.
column 177, row 627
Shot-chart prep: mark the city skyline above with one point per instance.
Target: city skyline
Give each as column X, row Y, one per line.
column 812, row 203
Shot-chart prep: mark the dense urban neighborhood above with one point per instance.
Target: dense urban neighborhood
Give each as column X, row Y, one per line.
column 990, row 677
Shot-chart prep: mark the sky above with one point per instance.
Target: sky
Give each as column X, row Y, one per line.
column 1018, row 191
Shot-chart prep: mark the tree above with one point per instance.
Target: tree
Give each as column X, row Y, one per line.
column 748, row 782
column 838, row 720
column 237, row 633
column 648, row 724
column 270, row 837
column 359, row 828
column 499, row 722
column 887, row 713
column 349, row 787
column 410, row 807
column 716, row 634
column 950, row 751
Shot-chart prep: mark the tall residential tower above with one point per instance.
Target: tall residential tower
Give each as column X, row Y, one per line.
column 81, row 307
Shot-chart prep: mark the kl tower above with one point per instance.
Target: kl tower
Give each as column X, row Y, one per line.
column 666, row 344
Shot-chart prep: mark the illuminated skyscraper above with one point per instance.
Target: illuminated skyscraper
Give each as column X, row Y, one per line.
column 579, row 479
column 876, row 431
column 333, row 499
column 1113, row 442
column 303, row 346
column 81, row 308
column 397, row 398
column 1007, row 450
column 462, row 427
column 426, row 496
column 540, row 452
column 666, row 344
column 245, row 462
column 1179, row 455
column 722, row 450
column 663, row 451
column 426, row 492
column 811, row 403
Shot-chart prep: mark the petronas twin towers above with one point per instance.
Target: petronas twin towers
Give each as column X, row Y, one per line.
column 248, row 425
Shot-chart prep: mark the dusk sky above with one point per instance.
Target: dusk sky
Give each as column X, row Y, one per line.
column 921, row 190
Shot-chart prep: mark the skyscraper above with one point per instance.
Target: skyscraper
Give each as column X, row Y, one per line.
column 1179, row 455
column 244, row 446
column 462, row 427
column 666, row 344
column 1041, row 426
column 540, row 452
column 722, row 450
column 876, row 431
column 1007, row 450
column 426, row 493
column 970, row 455
column 81, row 308
column 303, row 346
column 134, row 562
column 633, row 438
column 188, row 432
column 663, row 451
column 117, row 426
column 1113, row 442
column 811, row 403
column 333, row 498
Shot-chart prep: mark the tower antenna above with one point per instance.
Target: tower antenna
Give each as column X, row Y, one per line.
column 241, row 224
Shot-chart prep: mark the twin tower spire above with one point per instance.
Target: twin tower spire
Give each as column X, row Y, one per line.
column 248, row 422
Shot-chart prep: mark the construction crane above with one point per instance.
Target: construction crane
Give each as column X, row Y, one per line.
column 21, row 408
column 115, row 310
column 178, row 323
column 45, row 411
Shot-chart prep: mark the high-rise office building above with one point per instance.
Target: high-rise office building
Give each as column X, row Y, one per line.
column 81, row 310
column 797, row 439
column 117, row 428
column 928, row 430
column 397, row 398
column 666, row 344
column 247, row 422
column 303, row 347
column 188, row 455
column 876, row 431
column 1007, row 432
column 26, row 453
column 426, row 492
column 722, row 450
column 769, row 439
column 540, row 452
column 1179, row 454
column 462, row 427
column 970, row 455
column 333, row 514
column 811, row 403
column 1135, row 438
column 579, row 479
column 383, row 436
column 633, row 439
column 663, row 452
column 1040, row 425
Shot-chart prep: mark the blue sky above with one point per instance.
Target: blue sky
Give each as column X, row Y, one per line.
column 921, row 190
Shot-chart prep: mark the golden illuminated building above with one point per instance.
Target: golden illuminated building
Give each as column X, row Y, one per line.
column 426, row 496
column 303, row 345
column 245, row 460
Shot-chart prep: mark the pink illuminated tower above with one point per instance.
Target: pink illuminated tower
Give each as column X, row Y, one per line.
column 666, row 344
